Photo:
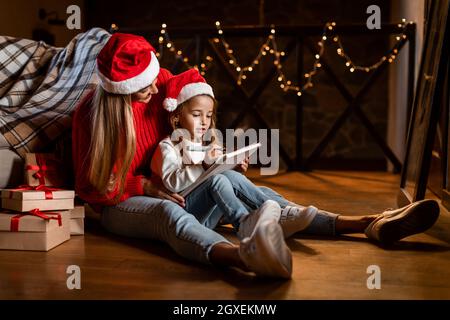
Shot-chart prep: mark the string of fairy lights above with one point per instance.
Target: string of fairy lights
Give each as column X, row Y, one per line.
column 270, row 48
column 165, row 39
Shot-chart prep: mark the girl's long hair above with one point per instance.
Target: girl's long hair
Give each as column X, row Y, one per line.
column 113, row 141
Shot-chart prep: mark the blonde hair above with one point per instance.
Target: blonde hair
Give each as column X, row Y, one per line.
column 113, row 141
column 177, row 113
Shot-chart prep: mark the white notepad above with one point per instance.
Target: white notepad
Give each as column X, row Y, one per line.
column 225, row 162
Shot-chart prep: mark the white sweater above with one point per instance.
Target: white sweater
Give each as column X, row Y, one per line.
column 167, row 163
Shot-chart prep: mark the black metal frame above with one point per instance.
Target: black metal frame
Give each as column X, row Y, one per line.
column 446, row 141
column 427, row 102
column 202, row 40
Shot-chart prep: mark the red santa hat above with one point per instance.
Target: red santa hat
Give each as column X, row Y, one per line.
column 184, row 86
column 126, row 64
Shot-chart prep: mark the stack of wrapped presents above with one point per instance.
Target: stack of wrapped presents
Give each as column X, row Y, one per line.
column 40, row 214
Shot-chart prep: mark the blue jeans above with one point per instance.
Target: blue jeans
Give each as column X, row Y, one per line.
column 163, row 220
column 216, row 192
column 324, row 223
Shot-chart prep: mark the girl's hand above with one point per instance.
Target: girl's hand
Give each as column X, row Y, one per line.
column 211, row 155
column 154, row 188
column 243, row 166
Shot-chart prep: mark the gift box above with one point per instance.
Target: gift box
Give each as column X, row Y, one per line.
column 34, row 230
column 44, row 169
column 77, row 220
column 26, row 198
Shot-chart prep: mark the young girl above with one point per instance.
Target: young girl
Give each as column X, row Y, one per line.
column 191, row 102
column 193, row 108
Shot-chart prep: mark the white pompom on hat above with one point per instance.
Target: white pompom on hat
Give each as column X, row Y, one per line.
column 126, row 64
column 183, row 87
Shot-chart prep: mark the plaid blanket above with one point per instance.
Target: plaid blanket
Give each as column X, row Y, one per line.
column 40, row 86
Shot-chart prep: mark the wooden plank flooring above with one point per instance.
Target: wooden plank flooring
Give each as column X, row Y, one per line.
column 114, row 267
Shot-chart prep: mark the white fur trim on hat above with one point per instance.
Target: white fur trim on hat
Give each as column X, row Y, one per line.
column 194, row 89
column 132, row 85
column 170, row 104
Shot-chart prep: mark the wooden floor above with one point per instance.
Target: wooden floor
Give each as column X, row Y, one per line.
column 113, row 267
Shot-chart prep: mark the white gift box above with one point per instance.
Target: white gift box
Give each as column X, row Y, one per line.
column 26, row 200
column 32, row 232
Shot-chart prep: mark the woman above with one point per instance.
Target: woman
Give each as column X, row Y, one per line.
column 115, row 132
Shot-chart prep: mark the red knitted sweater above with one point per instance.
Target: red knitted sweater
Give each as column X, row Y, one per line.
column 151, row 125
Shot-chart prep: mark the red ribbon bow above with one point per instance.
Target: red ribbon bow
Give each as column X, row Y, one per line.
column 35, row 212
column 48, row 191
column 41, row 168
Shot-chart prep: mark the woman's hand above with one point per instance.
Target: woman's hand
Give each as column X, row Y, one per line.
column 154, row 188
column 243, row 166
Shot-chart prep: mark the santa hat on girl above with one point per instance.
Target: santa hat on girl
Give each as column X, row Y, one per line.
column 126, row 64
column 184, row 86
